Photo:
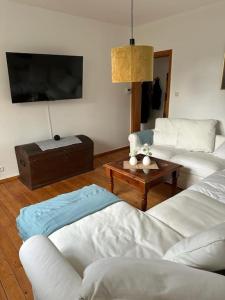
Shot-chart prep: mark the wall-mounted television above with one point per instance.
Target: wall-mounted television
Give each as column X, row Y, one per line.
column 44, row 77
column 223, row 79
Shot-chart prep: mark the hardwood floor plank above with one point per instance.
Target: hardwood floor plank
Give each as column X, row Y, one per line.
column 5, row 219
column 10, row 254
column 14, row 236
column 19, row 192
column 9, row 282
column 25, row 285
column 7, row 200
column 2, row 293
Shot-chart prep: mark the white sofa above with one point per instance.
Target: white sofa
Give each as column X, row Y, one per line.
column 191, row 143
column 55, row 266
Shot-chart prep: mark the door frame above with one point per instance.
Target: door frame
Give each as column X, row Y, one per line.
column 136, row 94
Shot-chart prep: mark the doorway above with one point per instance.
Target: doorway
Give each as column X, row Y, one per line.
column 153, row 106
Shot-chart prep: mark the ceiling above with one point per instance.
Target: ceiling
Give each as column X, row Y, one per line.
column 118, row 11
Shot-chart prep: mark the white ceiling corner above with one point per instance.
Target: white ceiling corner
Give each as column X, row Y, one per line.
column 118, row 11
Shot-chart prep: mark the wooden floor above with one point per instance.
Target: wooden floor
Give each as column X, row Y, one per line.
column 14, row 195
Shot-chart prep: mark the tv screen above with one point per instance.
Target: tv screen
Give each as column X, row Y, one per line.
column 223, row 79
column 43, row 77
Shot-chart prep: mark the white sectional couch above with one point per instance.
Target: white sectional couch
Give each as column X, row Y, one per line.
column 121, row 230
column 190, row 143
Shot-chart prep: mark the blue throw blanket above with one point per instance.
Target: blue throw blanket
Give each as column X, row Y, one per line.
column 48, row 216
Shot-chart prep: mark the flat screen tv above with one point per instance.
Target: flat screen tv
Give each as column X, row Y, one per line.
column 223, row 79
column 44, row 77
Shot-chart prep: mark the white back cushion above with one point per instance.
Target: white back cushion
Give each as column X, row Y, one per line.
column 220, row 139
column 197, row 135
column 220, row 151
column 165, row 133
column 191, row 135
column 205, row 250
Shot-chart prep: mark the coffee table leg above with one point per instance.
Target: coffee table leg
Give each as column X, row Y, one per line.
column 144, row 200
column 111, row 183
column 174, row 183
column 110, row 180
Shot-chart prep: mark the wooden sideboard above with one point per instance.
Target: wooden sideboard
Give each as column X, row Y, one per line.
column 38, row 168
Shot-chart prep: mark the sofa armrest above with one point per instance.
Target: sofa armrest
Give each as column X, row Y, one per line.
column 51, row 275
column 130, row 278
column 134, row 141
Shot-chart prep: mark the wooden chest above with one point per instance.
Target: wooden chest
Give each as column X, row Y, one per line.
column 39, row 168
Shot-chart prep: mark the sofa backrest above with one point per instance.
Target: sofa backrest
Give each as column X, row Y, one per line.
column 192, row 135
column 166, row 131
column 220, row 139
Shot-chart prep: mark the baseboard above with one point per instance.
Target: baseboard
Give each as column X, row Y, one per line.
column 110, row 151
column 8, row 179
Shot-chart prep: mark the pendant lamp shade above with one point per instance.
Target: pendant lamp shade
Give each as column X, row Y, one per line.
column 133, row 63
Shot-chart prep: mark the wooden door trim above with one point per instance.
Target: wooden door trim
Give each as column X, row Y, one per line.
column 135, row 107
column 136, row 94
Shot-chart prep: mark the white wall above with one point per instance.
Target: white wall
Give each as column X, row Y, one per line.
column 198, row 42
column 102, row 114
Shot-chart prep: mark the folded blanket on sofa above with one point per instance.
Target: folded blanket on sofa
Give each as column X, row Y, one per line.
column 48, row 216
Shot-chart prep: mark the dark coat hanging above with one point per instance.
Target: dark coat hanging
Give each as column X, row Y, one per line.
column 146, row 94
column 156, row 94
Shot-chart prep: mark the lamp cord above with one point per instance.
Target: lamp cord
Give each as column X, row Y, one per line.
column 132, row 19
column 132, row 41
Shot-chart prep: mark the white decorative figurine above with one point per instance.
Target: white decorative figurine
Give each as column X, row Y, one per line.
column 146, row 151
column 133, row 159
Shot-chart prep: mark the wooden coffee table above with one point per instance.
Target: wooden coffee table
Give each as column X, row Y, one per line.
column 141, row 181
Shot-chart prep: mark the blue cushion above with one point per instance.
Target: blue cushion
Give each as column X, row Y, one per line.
column 48, row 216
column 146, row 136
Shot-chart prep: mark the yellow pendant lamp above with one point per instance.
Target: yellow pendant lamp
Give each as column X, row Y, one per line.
column 132, row 63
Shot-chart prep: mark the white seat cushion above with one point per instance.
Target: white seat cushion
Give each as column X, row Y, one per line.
column 213, row 186
column 118, row 230
column 165, row 152
column 189, row 212
column 199, row 163
column 205, row 250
